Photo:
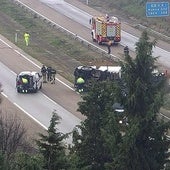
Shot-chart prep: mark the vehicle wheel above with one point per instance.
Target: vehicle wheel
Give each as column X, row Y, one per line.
column 18, row 90
column 93, row 39
column 40, row 86
column 36, row 89
column 99, row 42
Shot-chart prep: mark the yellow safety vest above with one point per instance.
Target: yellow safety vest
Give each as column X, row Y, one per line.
column 26, row 36
column 24, row 80
column 80, row 80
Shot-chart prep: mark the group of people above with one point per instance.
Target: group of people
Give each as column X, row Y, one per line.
column 48, row 74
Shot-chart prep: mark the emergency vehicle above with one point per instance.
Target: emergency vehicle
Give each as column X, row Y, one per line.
column 92, row 73
column 105, row 28
column 28, row 81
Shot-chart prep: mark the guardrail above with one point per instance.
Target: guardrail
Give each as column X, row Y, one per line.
column 74, row 36
column 164, row 37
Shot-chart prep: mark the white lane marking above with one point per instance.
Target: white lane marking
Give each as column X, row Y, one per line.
column 31, row 116
column 13, row 72
column 27, row 58
column 40, row 67
column 164, row 116
column 6, row 43
column 65, row 84
column 34, row 64
column 44, row 17
column 66, row 30
column 49, row 98
column 26, row 112
column 72, row 34
column 4, row 94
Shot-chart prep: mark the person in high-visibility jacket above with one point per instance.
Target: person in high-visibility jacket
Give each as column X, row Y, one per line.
column 25, row 84
column 27, row 38
column 80, row 84
column 24, row 80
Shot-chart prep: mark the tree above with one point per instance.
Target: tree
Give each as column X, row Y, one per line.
column 12, row 140
column 91, row 144
column 12, row 135
column 144, row 144
column 99, row 143
column 52, row 147
column 27, row 161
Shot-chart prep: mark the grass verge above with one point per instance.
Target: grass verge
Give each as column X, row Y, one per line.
column 47, row 44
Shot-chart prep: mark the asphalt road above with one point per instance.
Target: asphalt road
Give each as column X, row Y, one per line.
column 64, row 98
column 82, row 17
column 38, row 106
column 76, row 19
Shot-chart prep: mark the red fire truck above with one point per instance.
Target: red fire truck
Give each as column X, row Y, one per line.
column 105, row 28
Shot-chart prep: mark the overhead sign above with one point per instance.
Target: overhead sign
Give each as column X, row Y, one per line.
column 157, row 9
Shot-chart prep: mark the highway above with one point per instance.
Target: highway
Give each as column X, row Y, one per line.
column 63, row 99
column 83, row 18
column 38, row 106
column 70, row 17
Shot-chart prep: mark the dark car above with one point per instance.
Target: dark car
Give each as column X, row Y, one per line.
column 28, row 81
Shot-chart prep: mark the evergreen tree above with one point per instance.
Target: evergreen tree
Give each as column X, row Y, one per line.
column 99, row 143
column 91, row 143
column 52, row 147
column 144, row 144
column 26, row 161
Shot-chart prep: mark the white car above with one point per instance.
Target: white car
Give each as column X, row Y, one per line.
column 29, row 81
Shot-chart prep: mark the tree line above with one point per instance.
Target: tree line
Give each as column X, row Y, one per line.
column 103, row 141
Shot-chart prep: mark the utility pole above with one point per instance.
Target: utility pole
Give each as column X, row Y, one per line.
column 16, row 36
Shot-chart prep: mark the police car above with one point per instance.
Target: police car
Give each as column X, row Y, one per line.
column 29, row 81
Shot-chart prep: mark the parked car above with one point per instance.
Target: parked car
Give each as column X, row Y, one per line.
column 29, row 81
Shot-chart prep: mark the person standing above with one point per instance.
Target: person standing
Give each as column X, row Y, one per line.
column 49, row 74
column 126, row 50
column 27, row 38
column 24, row 84
column 76, row 74
column 80, row 84
column 44, row 73
column 53, row 74
column 109, row 44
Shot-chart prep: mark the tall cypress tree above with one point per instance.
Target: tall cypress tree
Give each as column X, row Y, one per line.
column 144, row 144
column 52, row 147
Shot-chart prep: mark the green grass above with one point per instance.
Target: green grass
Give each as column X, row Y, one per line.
column 128, row 9
column 167, row 101
column 47, row 44
column 50, row 46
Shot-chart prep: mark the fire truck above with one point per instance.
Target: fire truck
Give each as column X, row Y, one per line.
column 105, row 28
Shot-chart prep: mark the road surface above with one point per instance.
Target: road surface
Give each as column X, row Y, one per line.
column 13, row 61
column 79, row 18
column 38, row 106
